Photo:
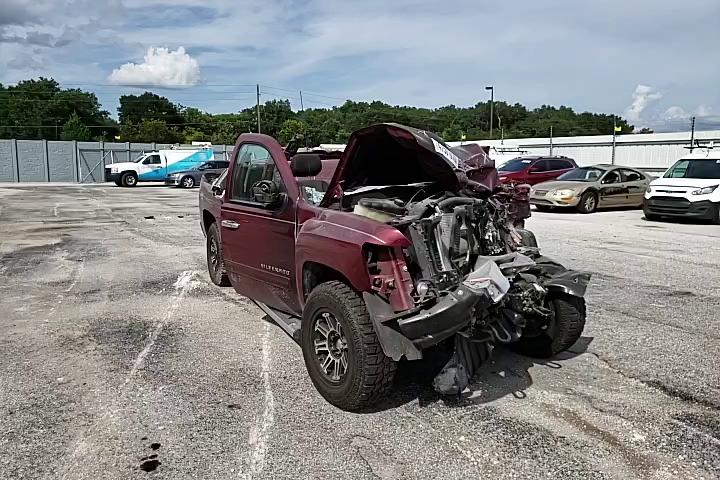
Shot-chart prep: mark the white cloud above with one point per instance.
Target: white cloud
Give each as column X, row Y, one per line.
column 675, row 113
column 643, row 96
column 161, row 67
column 703, row 111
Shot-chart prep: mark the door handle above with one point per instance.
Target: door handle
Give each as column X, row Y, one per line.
column 230, row 224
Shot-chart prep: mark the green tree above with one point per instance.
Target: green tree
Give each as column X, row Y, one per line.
column 75, row 129
column 290, row 128
column 150, row 131
column 35, row 109
column 148, row 106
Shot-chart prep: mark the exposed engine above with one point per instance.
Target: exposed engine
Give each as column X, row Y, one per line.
column 461, row 243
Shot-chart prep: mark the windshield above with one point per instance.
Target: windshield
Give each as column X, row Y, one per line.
column 515, row 165
column 705, row 168
column 585, row 174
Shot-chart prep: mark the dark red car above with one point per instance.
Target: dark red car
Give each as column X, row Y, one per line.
column 532, row 170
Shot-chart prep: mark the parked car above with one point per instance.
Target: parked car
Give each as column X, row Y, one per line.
column 690, row 188
column 408, row 248
column 533, row 169
column 191, row 177
column 590, row 188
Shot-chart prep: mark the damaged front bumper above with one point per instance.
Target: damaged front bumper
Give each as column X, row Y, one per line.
column 441, row 321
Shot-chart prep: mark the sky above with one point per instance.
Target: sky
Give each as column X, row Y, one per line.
column 656, row 63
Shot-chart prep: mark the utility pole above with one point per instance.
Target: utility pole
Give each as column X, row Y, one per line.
column 692, row 133
column 551, row 140
column 257, row 107
column 302, row 108
column 612, row 161
column 492, row 101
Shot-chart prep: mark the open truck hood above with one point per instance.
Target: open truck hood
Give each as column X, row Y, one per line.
column 394, row 154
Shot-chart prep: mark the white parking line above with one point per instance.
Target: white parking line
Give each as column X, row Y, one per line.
column 257, row 438
column 183, row 285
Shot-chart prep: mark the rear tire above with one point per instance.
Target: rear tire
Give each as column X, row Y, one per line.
column 216, row 266
column 337, row 331
column 562, row 331
column 588, row 202
column 128, row 179
column 716, row 220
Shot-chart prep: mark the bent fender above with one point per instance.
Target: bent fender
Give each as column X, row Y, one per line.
column 571, row 282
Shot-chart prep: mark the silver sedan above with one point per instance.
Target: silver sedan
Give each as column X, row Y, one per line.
column 589, row 188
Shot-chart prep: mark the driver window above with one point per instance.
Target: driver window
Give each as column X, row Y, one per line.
column 253, row 164
column 152, row 160
column 611, row 177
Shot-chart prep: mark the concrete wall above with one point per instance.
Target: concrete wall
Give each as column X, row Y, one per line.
column 67, row 161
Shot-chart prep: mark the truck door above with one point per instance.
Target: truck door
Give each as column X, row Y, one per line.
column 152, row 168
column 258, row 241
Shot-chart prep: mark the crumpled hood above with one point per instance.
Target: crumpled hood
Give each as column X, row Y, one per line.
column 394, row 154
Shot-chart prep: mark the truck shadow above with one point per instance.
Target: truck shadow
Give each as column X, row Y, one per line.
column 505, row 373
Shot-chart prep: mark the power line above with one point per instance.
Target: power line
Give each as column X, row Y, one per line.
column 46, row 100
column 117, row 125
column 305, row 92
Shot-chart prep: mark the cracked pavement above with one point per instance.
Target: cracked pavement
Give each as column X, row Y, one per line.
column 119, row 359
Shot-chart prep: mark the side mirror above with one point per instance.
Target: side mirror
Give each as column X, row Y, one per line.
column 217, row 190
column 267, row 193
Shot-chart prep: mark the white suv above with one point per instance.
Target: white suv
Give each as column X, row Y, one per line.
column 690, row 188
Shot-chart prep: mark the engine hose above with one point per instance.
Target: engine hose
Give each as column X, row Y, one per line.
column 449, row 204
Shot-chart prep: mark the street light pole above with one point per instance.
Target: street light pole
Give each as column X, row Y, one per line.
column 692, row 133
column 492, row 101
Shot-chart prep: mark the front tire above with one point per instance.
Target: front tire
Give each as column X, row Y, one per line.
column 128, row 179
column 563, row 330
column 216, row 266
column 342, row 353
column 187, row 182
column 588, row 202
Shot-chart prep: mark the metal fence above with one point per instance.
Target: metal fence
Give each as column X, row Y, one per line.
column 70, row 161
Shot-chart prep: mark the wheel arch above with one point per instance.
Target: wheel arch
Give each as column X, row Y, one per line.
column 315, row 273
column 207, row 220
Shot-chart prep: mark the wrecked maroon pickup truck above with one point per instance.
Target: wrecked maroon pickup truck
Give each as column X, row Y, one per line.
column 402, row 245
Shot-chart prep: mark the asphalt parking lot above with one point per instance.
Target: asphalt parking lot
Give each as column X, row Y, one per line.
column 119, row 359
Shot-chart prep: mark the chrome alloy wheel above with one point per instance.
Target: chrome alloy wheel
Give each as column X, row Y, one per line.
column 331, row 348
column 590, row 203
column 214, row 254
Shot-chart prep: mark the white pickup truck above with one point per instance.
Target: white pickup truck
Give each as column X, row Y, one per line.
column 155, row 166
column 690, row 188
